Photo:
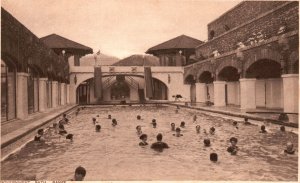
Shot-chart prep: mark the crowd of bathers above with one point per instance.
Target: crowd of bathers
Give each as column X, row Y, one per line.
column 159, row 145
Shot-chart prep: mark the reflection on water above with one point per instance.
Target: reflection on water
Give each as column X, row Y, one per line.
column 114, row 153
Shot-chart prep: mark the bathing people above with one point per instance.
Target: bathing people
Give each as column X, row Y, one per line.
column 69, row 137
column 206, row 142
column 79, row 175
column 98, row 128
column 233, row 148
column 109, row 116
column 282, row 128
column 138, row 117
column 114, row 122
column 263, row 129
column 139, row 130
column 61, row 129
column 212, row 130
column 39, row 136
column 177, row 134
column 198, row 128
column 182, row 124
column 289, row 148
column 246, row 122
column 143, row 137
column 173, row 126
column 213, row 157
column 159, row 145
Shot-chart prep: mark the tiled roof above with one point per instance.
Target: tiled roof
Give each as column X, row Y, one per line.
column 55, row 41
column 180, row 42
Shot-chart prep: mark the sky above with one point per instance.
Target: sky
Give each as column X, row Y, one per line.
column 118, row 27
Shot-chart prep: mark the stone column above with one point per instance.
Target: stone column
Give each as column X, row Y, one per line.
column 62, row 94
column 72, row 93
column 290, row 92
column 22, row 95
column 248, row 96
column 36, row 94
column 219, row 93
column 42, row 94
column 201, row 92
column 68, row 93
column 11, row 92
column 54, row 94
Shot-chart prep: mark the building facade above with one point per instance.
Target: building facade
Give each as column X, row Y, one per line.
column 251, row 61
column 34, row 77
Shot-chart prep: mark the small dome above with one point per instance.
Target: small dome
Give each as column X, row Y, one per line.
column 138, row 60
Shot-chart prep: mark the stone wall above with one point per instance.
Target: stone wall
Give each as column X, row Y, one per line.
column 269, row 24
column 240, row 14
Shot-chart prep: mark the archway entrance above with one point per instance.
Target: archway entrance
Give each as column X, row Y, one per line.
column 207, row 78
column 190, row 79
column 268, row 87
column 232, row 88
column 120, row 89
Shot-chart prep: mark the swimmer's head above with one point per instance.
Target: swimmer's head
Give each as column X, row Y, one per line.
column 138, row 117
column 69, row 136
column 97, row 116
column 114, row 121
column 289, row 146
column 61, row 126
column 54, row 125
column 213, row 157
column 153, row 120
column 282, row 128
column 143, row 137
column 138, row 128
column 154, row 124
column 246, row 119
column 40, row 131
column 182, row 124
column 233, row 141
column 198, row 128
column 80, row 173
column 159, row 137
column 234, row 123
column 109, row 116
column 263, row 128
column 64, row 115
column 206, row 142
column 97, row 127
column 94, row 119
column 172, row 124
column 178, row 130
column 212, row 130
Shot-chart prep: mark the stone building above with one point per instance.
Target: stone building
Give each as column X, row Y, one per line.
column 178, row 51
column 34, row 77
column 251, row 58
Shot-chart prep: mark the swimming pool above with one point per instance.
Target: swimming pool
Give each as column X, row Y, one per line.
column 114, row 153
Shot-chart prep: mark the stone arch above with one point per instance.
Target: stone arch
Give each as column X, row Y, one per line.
column 264, row 68
column 190, row 79
column 226, row 63
column 262, row 54
column 228, row 73
column 206, row 77
column 203, row 68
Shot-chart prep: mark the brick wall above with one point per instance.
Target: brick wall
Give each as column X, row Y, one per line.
column 269, row 25
column 243, row 12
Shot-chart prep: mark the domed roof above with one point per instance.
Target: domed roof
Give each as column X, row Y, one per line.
column 138, row 60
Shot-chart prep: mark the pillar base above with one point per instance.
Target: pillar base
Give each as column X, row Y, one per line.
column 219, row 93
column 248, row 96
column 290, row 92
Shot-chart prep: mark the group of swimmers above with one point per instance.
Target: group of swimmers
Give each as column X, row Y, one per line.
column 232, row 149
column 58, row 128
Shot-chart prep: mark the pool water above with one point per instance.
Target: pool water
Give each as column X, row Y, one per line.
column 114, row 153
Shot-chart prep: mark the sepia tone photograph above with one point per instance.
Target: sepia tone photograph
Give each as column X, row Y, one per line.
column 152, row 90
